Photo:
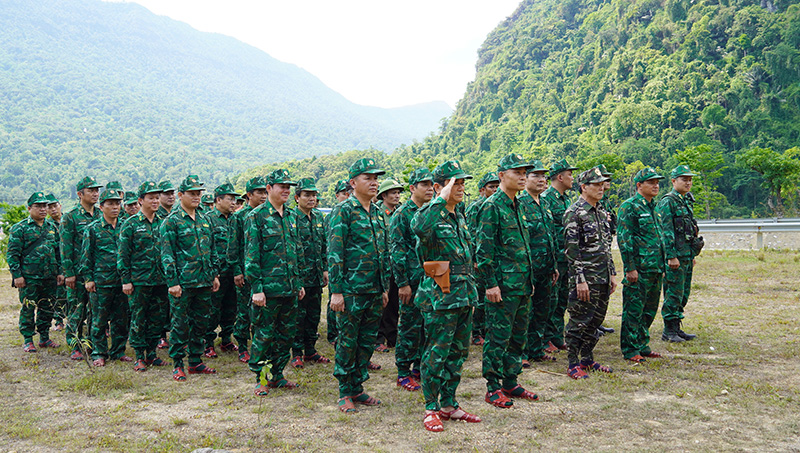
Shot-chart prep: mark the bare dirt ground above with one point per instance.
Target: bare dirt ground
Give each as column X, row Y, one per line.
column 735, row 388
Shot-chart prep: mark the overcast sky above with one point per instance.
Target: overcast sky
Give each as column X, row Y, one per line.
column 373, row 52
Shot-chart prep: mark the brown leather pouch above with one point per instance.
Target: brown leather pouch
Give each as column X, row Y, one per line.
column 439, row 271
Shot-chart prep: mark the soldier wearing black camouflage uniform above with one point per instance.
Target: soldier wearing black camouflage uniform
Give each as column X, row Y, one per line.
column 591, row 273
column 613, row 221
column 34, row 262
column 389, row 193
column 60, row 304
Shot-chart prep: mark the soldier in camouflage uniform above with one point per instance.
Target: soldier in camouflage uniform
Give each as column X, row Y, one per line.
column 73, row 225
column 487, row 186
column 679, row 231
column 608, row 206
column 60, row 304
column 358, row 265
column 131, row 206
column 557, row 200
column 167, row 201
column 224, row 303
column 407, row 272
column 539, row 222
column 343, row 192
column 444, row 236
column 504, row 265
column 271, row 259
column 256, row 189
column 313, row 236
column 98, row 268
column 191, row 266
column 207, row 202
column 139, row 266
column 33, row 260
column 591, row 273
column 642, row 251
column 389, row 195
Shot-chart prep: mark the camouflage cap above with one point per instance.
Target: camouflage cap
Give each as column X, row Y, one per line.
column 280, row 176
column 37, row 197
column 110, row 194
column 488, row 178
column 131, row 198
column 307, row 184
column 387, row 185
column 114, row 185
column 257, row 182
column 366, row 165
column 646, row 174
column 537, row 165
column 592, row 176
column 192, row 182
column 207, row 198
column 51, row 199
column 88, row 183
column 166, row 186
column 447, row 170
column 419, row 175
column 512, row 161
column 561, row 166
column 343, row 185
column 604, row 170
column 681, row 170
column 149, row 187
column 223, row 189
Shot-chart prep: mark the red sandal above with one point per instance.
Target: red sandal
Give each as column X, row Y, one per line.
column 282, row 384
column 261, row 390
column 498, row 399
column 576, row 372
column 317, row 358
column 178, row 374
column 653, row 355
column 373, row 366
column 432, row 422
column 140, row 366
column 520, row 392
column 201, row 368
column 297, row 362
column 346, row 405
column 594, row 366
column 48, row 344
column 465, row 416
column 366, row 400
column 637, row 359
column 408, row 383
column 244, row 356
column 29, row 347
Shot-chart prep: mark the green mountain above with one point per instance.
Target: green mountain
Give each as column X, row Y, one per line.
column 112, row 90
column 639, row 82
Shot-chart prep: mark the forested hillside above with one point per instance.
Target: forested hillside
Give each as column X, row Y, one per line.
column 112, row 90
column 646, row 82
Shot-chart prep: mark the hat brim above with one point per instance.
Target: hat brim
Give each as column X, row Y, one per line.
column 598, row 180
column 659, row 177
column 533, row 169
column 684, row 174
column 461, row 175
column 189, row 189
column 283, row 181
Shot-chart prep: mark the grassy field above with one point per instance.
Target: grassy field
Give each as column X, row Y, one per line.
column 735, row 388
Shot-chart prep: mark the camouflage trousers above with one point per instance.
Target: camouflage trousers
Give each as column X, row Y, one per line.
column 639, row 308
column 224, row 306
column 447, row 348
column 479, row 314
column 60, row 305
column 189, row 322
column 506, row 332
column 36, row 310
column 584, row 319
column 147, row 310
column 109, row 311
column 358, row 328
column 330, row 321
column 559, row 295
column 410, row 337
column 79, row 311
column 309, row 311
column 540, row 311
column 274, row 328
column 677, row 286
column 242, row 326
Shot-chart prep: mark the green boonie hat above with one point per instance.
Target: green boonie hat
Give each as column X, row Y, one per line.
column 223, row 189
column 280, row 176
column 447, row 170
column 646, row 174
column 342, row 186
column 131, row 198
column 681, row 170
column 488, row 178
column 51, row 199
column 257, row 182
column 604, row 170
column 307, row 184
column 114, row 185
column 192, row 182
column 419, row 175
column 592, row 176
column 110, row 194
column 37, row 197
column 512, row 161
column 366, row 165
column 166, row 186
column 149, row 187
column 207, row 198
column 88, row 183
column 537, row 165
column 560, row 166
column 387, row 185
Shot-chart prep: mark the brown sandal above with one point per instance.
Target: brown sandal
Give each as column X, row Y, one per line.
column 366, row 400
column 346, row 405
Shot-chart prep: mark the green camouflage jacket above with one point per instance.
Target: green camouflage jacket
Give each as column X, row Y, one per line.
column 640, row 238
column 677, row 225
column 99, row 254
column 444, row 237
column 588, row 244
column 386, row 213
column 557, row 204
column 139, row 260
column 222, row 231
column 504, row 257
column 539, row 222
column 406, row 266
column 613, row 220
column 73, row 224
column 358, row 261
column 271, row 252
column 313, row 236
column 162, row 212
column 187, row 250
column 472, row 215
column 235, row 256
column 43, row 261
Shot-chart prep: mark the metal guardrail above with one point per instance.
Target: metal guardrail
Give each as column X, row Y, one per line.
column 757, row 226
